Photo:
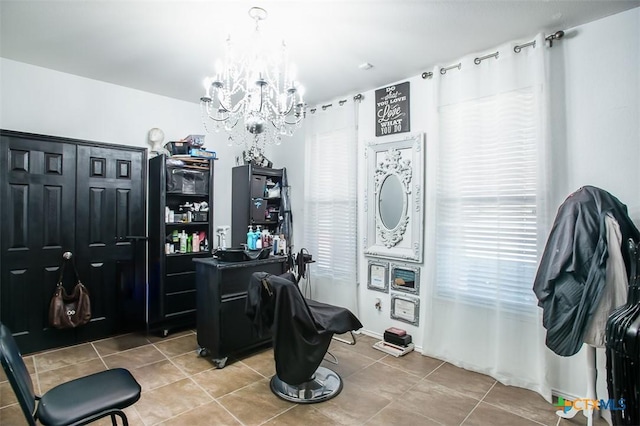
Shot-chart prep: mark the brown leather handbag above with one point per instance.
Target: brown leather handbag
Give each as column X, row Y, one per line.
column 69, row 310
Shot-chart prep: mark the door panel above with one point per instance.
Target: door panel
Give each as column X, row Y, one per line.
column 111, row 207
column 38, row 200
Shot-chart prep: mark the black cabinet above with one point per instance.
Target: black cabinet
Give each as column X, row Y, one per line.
column 171, row 301
column 255, row 200
column 222, row 326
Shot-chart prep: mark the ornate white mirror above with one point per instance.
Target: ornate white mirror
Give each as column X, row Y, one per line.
column 394, row 210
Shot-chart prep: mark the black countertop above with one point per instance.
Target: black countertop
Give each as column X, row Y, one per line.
column 216, row 263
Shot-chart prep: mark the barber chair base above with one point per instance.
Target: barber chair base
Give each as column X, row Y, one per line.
column 324, row 385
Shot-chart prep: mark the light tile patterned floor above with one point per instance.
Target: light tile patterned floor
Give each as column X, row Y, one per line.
column 181, row 388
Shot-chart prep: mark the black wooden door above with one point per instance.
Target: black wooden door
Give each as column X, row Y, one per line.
column 110, row 221
column 37, row 205
column 59, row 195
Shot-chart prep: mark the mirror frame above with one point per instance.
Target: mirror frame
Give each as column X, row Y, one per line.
column 404, row 158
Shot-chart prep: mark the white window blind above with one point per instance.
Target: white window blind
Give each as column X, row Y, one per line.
column 330, row 203
column 486, row 201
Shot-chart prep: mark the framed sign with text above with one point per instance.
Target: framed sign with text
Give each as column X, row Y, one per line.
column 392, row 109
column 405, row 308
column 378, row 276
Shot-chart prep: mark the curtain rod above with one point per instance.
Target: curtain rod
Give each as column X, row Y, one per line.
column 517, row 48
column 324, row 107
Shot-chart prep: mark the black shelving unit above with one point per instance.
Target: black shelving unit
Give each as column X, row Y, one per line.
column 171, row 295
column 251, row 202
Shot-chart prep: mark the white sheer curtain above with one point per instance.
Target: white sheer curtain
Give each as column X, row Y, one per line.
column 488, row 216
column 330, row 204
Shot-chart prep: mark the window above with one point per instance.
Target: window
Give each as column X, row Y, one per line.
column 486, row 201
column 330, row 197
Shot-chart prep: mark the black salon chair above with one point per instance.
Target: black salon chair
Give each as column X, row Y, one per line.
column 302, row 331
column 76, row 402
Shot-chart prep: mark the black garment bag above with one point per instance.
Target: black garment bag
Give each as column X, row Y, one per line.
column 623, row 350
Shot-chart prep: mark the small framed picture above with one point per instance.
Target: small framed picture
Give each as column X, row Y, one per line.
column 405, row 278
column 405, row 308
column 378, row 276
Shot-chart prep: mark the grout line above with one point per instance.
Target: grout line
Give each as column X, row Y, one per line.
column 472, row 410
column 479, row 402
column 186, row 376
column 190, row 377
column 227, row 410
column 377, row 412
column 133, row 407
column 434, row 370
column 35, row 370
column 399, row 398
column 253, row 369
column 215, row 399
column 407, row 371
column 100, row 357
column 279, row 414
column 2, row 407
column 490, row 389
column 516, row 414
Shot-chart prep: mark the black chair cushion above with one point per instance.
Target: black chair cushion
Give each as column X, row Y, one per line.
column 88, row 396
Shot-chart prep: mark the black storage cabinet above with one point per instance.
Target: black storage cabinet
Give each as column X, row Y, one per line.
column 222, row 326
column 171, row 298
column 250, row 201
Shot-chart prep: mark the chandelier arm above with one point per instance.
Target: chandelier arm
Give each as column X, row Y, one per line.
column 206, row 108
column 295, row 122
column 290, row 108
column 230, row 110
column 217, row 119
column 288, row 123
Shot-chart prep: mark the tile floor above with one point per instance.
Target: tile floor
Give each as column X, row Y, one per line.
column 180, row 388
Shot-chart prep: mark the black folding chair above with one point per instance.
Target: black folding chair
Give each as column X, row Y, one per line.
column 76, row 402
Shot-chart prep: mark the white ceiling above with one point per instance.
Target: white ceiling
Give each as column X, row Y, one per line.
column 168, row 47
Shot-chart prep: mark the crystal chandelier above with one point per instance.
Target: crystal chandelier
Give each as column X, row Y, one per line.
column 253, row 96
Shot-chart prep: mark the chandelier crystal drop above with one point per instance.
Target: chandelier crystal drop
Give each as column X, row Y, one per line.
column 254, row 95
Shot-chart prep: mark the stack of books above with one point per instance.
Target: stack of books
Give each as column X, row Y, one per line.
column 396, row 342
